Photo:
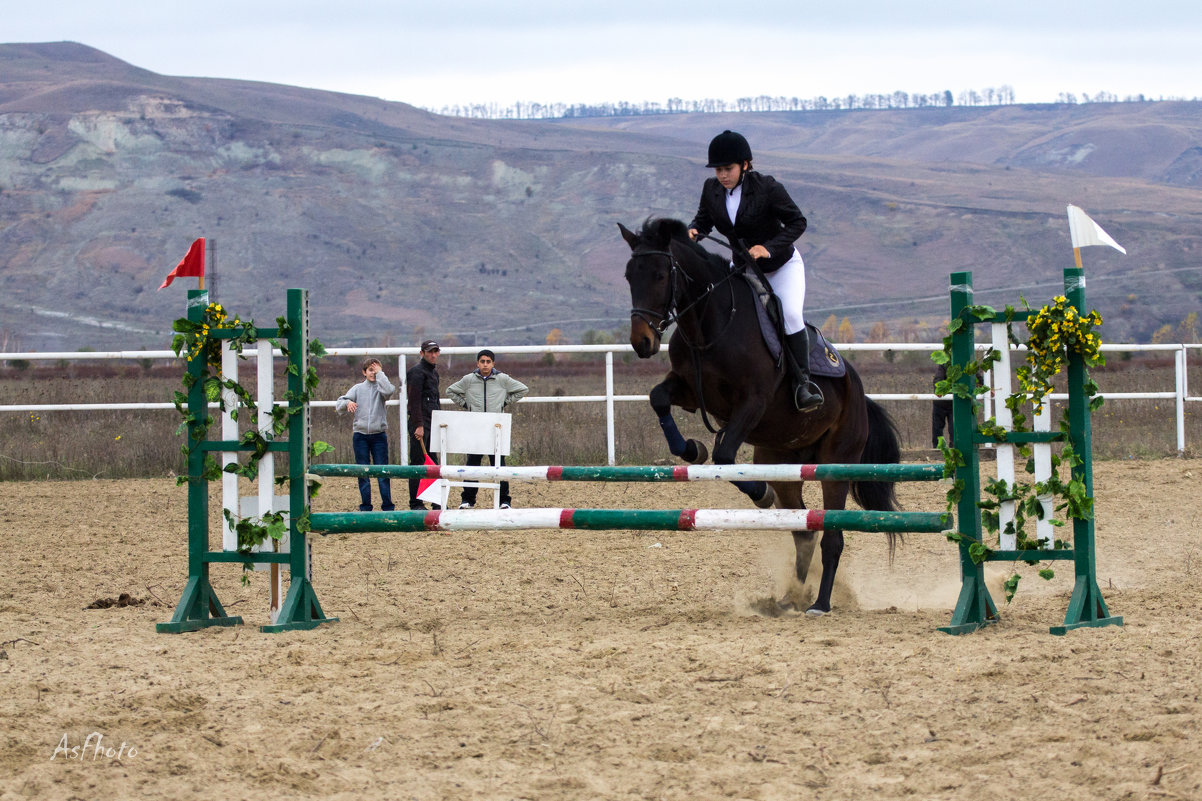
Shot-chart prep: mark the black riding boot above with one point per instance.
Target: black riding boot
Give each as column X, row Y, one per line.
column 806, row 395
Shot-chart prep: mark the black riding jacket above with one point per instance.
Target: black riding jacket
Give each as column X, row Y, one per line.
column 767, row 216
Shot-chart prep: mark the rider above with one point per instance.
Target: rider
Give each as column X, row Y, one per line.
column 752, row 209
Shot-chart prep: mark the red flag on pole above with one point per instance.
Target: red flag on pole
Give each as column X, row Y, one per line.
column 425, row 484
column 191, row 266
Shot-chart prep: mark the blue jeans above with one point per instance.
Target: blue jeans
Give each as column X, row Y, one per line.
column 372, row 449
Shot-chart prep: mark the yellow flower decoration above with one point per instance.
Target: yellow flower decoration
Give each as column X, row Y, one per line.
column 1055, row 329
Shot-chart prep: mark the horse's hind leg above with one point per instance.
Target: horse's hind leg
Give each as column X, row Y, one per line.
column 834, row 496
column 804, row 543
column 832, row 549
column 789, row 496
column 664, row 396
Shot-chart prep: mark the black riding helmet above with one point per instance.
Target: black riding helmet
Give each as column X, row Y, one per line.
column 728, row 147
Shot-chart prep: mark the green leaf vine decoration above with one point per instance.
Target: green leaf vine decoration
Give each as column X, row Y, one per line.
column 202, row 340
column 1053, row 331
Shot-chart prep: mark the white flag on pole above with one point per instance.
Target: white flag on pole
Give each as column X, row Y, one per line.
column 1085, row 232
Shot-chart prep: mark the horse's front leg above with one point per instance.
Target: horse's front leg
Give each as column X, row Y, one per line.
column 673, row 391
column 726, row 448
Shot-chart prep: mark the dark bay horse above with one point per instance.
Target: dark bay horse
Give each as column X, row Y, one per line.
column 721, row 365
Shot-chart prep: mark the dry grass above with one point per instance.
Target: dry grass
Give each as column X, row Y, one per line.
column 121, row 444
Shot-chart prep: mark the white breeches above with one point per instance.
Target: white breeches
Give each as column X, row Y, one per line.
column 789, row 284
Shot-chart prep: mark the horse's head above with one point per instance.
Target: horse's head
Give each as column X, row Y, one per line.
column 650, row 273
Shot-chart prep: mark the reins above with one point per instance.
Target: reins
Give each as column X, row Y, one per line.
column 667, row 317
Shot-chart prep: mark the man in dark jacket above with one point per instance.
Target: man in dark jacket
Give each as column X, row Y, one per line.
column 422, row 382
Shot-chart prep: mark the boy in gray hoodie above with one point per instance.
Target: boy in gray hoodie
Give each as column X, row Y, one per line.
column 365, row 401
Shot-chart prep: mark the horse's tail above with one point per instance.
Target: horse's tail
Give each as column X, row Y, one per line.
column 883, row 447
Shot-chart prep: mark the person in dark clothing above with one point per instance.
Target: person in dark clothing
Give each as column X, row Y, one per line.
column 752, row 210
column 422, row 383
column 941, row 413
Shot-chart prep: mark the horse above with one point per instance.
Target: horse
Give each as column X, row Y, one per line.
column 722, row 366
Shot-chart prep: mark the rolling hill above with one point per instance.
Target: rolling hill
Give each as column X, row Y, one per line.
column 404, row 223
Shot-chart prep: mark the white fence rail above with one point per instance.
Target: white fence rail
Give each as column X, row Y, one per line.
column 1179, row 393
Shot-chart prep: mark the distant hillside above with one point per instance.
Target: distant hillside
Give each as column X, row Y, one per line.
column 404, row 223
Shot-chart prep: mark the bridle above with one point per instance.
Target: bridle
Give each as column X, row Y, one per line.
column 671, row 313
column 665, row 317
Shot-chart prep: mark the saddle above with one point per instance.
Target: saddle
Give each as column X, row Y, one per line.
column 824, row 359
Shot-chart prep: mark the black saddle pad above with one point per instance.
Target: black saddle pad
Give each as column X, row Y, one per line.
column 824, row 359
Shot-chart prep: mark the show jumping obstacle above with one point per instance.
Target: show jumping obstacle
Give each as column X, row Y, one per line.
column 199, row 606
column 974, row 607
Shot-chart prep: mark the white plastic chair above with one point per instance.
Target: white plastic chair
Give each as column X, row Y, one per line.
column 470, row 432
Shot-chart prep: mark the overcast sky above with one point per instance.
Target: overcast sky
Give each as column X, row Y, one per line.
column 437, row 53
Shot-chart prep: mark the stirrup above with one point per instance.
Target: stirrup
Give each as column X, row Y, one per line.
column 807, row 396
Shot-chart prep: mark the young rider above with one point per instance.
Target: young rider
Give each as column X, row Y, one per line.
column 751, row 208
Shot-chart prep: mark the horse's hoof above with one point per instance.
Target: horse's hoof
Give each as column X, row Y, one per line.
column 767, row 499
column 814, row 611
column 699, row 452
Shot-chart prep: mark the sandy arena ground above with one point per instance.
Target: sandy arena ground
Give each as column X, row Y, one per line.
column 554, row 665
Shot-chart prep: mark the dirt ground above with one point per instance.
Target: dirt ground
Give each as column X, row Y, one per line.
column 558, row 665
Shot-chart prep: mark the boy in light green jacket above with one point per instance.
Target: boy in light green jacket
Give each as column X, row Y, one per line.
column 486, row 389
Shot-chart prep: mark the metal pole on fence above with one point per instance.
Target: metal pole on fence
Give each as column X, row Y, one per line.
column 1179, row 369
column 403, row 408
column 609, row 407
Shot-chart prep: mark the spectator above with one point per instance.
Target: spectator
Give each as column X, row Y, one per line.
column 366, row 401
column 422, row 395
column 486, row 389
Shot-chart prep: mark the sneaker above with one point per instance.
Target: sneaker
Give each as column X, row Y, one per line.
column 467, row 506
column 505, row 506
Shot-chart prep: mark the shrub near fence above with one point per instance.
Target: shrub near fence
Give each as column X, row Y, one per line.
column 144, row 443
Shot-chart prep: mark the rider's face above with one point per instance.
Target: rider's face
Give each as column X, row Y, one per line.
column 728, row 175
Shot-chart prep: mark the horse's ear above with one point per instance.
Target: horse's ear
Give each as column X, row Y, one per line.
column 631, row 237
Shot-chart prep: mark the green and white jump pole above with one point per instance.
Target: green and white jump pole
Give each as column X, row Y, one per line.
column 693, row 472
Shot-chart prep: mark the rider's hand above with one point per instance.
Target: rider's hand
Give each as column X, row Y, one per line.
column 758, row 252
column 693, row 234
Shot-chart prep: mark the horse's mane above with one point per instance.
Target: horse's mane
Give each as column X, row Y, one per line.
column 659, row 231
